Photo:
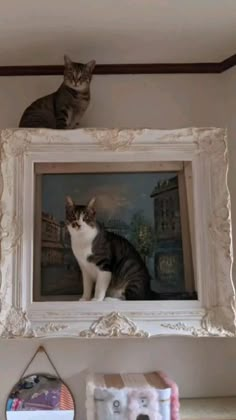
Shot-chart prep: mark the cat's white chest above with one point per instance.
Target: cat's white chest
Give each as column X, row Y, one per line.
column 82, row 258
column 82, row 249
column 82, row 252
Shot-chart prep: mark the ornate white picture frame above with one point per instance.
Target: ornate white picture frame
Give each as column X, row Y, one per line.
column 214, row 312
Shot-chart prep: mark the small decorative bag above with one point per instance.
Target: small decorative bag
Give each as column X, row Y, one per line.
column 111, row 404
column 143, row 402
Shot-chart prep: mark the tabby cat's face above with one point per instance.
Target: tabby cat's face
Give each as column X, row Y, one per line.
column 80, row 219
column 78, row 76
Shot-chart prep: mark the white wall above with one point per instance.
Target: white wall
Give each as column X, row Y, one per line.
column 163, row 101
column 202, row 367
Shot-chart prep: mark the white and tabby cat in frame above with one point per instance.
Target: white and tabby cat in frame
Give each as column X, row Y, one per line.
column 110, row 265
column 64, row 108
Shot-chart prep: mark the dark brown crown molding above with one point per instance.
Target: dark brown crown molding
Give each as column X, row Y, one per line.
column 152, row 68
column 228, row 63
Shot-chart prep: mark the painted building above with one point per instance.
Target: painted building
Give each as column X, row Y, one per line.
column 168, row 256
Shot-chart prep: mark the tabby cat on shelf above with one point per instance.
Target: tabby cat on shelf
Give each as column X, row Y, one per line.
column 64, row 108
column 110, row 265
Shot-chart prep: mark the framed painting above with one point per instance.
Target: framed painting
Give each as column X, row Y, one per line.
column 137, row 202
column 161, row 196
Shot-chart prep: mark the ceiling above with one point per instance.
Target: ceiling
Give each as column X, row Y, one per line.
column 116, row 31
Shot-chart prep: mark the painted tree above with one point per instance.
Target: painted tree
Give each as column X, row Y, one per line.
column 141, row 235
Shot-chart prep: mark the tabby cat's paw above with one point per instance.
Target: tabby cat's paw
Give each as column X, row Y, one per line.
column 97, row 299
column 83, row 299
column 111, row 299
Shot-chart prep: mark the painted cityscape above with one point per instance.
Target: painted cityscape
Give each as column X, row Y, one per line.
column 142, row 207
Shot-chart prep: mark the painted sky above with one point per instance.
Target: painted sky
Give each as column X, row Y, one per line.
column 119, row 196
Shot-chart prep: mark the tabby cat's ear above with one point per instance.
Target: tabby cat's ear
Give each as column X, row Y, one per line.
column 91, row 203
column 90, row 65
column 67, row 61
column 69, row 201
